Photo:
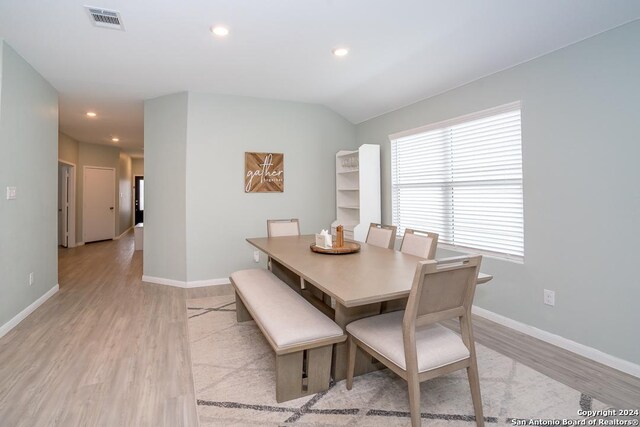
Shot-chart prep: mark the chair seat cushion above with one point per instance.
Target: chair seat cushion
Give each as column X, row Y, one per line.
column 436, row 345
column 286, row 316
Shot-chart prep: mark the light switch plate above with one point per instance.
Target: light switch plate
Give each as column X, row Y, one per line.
column 12, row 193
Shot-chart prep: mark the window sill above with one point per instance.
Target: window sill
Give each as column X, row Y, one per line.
column 486, row 254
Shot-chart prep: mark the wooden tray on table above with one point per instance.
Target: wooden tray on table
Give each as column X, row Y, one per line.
column 348, row 248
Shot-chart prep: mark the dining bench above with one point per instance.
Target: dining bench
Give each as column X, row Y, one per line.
column 301, row 336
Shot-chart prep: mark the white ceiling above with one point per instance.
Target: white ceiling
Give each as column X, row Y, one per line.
column 401, row 50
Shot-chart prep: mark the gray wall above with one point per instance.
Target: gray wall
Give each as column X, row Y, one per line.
column 137, row 166
column 125, row 196
column 29, row 145
column 220, row 215
column 197, row 215
column 165, row 143
column 68, row 148
column 1, row 69
column 581, row 187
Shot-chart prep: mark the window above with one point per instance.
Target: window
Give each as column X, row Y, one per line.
column 463, row 180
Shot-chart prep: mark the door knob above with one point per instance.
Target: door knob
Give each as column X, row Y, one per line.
column 111, row 208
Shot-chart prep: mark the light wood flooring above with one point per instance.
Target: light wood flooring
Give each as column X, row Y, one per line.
column 615, row 388
column 106, row 350
column 110, row 350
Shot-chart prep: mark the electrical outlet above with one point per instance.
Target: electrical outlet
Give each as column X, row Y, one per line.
column 549, row 297
column 12, row 193
column 256, row 256
column 31, row 279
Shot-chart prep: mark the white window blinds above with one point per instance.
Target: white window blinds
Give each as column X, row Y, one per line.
column 463, row 180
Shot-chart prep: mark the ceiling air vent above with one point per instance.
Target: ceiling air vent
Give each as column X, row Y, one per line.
column 105, row 18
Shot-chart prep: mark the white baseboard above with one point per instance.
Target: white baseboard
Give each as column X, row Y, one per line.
column 79, row 244
column 163, row 281
column 4, row 329
column 183, row 284
column 581, row 349
column 210, row 282
column 125, row 232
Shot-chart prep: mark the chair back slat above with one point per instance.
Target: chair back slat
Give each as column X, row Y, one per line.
column 419, row 243
column 439, row 316
column 383, row 236
column 283, row 227
column 442, row 289
column 445, row 290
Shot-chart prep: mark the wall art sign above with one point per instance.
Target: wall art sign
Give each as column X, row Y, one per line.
column 263, row 172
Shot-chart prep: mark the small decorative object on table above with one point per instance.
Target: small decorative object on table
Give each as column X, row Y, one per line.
column 323, row 244
column 323, row 240
column 339, row 236
column 348, row 248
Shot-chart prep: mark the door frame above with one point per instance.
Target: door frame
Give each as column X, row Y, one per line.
column 71, row 196
column 133, row 197
column 116, row 207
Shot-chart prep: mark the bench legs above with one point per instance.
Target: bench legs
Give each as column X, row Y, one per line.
column 242, row 314
column 290, row 382
column 319, row 368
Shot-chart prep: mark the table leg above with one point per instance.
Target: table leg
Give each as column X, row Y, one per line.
column 286, row 275
column 301, row 286
column 364, row 363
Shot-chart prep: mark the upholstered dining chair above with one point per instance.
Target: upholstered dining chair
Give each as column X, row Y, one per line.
column 419, row 243
column 380, row 235
column 413, row 344
column 283, row 227
column 288, row 227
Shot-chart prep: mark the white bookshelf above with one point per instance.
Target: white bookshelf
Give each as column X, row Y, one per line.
column 357, row 191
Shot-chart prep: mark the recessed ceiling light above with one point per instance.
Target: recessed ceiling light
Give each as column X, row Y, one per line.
column 115, row 139
column 219, row 30
column 91, row 114
column 340, row 51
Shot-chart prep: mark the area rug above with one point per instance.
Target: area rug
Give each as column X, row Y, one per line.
column 234, row 376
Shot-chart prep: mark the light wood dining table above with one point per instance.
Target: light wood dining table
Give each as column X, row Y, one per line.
column 359, row 283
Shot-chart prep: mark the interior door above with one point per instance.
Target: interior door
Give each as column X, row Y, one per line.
column 61, row 230
column 63, row 206
column 139, row 200
column 99, row 220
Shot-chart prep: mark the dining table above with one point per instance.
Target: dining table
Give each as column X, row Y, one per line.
column 345, row 287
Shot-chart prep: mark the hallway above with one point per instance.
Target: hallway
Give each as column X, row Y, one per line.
column 106, row 350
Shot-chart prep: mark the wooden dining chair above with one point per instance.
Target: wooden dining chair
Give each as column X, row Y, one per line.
column 291, row 227
column 413, row 344
column 283, row 227
column 419, row 243
column 380, row 235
